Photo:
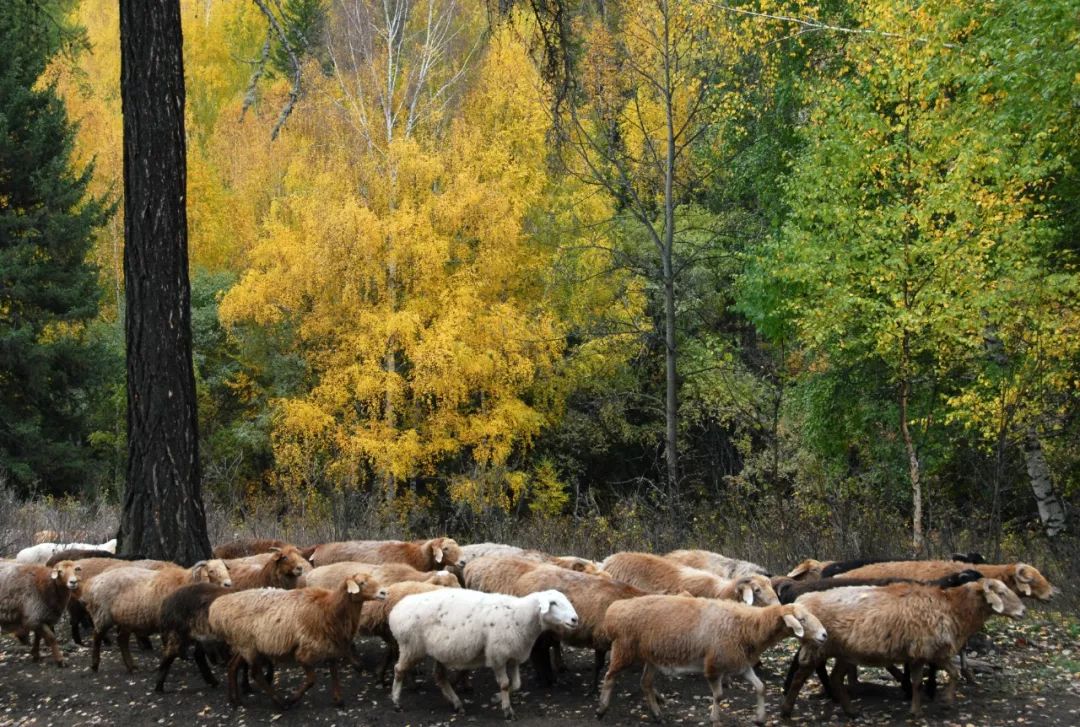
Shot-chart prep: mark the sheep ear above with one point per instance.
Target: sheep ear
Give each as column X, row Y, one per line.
column 1024, row 587
column 794, row 625
column 277, row 553
column 747, row 594
column 200, row 566
column 545, row 606
column 352, row 586
column 55, row 573
column 993, row 599
column 801, row 568
column 437, row 552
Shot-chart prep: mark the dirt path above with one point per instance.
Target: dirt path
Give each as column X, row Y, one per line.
column 1036, row 682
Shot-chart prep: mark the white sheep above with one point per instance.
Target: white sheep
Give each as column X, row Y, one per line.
column 464, row 629
column 41, row 552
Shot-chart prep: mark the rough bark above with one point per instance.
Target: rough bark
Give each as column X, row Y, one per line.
column 914, row 470
column 1051, row 507
column 671, row 399
column 163, row 515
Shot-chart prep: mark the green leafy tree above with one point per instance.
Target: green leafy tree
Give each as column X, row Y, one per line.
column 48, row 370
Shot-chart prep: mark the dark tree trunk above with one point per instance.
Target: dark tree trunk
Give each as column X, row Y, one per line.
column 163, row 513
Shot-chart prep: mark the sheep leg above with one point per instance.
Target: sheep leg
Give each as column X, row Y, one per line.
column 599, row 656
column 759, row 690
column 35, row 650
column 123, row 640
column 308, row 683
column 448, row 691
column 515, row 676
column 954, row 682
column 792, row 687
column 95, row 650
column 335, row 684
column 840, row 672
column 388, row 658
column 170, row 649
column 401, row 671
column 263, row 683
column 916, row 690
column 233, row 685
column 50, row 639
column 716, row 686
column 619, row 661
column 504, row 689
column 204, row 666
column 648, row 677
column 542, row 660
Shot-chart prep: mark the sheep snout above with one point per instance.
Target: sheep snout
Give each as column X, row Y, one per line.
column 382, row 594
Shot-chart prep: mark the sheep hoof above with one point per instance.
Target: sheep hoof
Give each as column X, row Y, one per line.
column 61, row 664
column 508, row 714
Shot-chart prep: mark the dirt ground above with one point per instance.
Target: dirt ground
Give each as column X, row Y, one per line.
column 1035, row 680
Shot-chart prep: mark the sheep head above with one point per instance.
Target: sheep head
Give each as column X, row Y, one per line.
column 66, row 572
column 808, row 570
column 445, row 552
column 555, row 610
column 757, row 590
column 443, row 578
column 211, row 571
column 1028, row 581
column 288, row 561
column 999, row 597
column 360, row 588
column 804, row 625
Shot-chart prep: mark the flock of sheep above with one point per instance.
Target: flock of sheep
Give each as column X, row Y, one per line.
column 263, row 603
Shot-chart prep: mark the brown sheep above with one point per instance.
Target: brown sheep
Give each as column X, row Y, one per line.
column 904, row 622
column 497, row 574
column 33, row 598
column 809, row 569
column 715, row 563
column 185, row 619
column 590, row 595
column 277, row 568
column 247, row 546
column 1023, row 579
column 331, row 576
column 130, row 599
column 655, row 574
column 306, row 626
column 434, row 554
column 718, row 638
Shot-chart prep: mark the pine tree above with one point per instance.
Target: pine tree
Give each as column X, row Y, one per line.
column 47, row 288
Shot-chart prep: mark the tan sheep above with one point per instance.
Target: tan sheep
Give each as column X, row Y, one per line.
column 1023, row 579
column 905, row 622
column 715, row 563
column 497, row 574
column 306, row 626
column 590, row 595
column 130, row 599
column 247, row 546
column 434, row 554
column 656, row 574
column 717, row 638
column 500, row 550
column 809, row 569
column 277, row 568
column 33, row 598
